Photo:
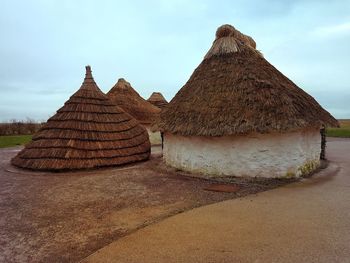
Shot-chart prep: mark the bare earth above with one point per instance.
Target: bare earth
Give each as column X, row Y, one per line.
column 51, row 217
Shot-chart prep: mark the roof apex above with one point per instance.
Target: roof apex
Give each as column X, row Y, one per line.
column 228, row 40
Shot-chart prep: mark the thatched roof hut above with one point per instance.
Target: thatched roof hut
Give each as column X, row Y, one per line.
column 88, row 131
column 234, row 100
column 158, row 100
column 130, row 101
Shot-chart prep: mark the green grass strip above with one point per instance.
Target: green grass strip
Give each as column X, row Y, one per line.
column 14, row 140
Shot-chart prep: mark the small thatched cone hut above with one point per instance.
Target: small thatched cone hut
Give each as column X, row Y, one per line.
column 130, row 101
column 238, row 115
column 157, row 99
column 88, row 131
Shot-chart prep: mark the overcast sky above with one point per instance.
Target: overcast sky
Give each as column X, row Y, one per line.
column 156, row 45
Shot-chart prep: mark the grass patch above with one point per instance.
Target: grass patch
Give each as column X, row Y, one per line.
column 343, row 131
column 14, row 140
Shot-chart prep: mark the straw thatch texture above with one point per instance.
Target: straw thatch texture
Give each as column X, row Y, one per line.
column 130, row 101
column 236, row 91
column 229, row 31
column 88, row 131
column 158, row 100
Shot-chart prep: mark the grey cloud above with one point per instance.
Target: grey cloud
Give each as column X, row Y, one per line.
column 157, row 44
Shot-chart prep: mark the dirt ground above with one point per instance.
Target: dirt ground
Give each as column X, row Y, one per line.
column 52, row 217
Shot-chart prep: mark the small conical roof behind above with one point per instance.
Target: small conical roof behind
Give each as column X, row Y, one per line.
column 88, row 131
column 157, row 99
column 236, row 91
column 129, row 100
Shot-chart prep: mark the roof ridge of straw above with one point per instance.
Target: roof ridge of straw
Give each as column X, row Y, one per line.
column 89, row 131
column 228, row 40
column 240, row 92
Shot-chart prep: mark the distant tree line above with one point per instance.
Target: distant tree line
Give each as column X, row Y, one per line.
column 19, row 127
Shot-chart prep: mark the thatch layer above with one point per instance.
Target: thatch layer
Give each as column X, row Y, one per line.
column 236, row 91
column 88, row 131
column 130, row 101
column 158, row 100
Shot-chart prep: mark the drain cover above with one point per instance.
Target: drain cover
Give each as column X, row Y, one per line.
column 226, row 188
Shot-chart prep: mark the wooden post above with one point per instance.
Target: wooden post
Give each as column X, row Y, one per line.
column 323, row 143
column 162, row 136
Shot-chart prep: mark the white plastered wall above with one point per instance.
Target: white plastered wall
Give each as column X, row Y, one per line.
column 259, row 155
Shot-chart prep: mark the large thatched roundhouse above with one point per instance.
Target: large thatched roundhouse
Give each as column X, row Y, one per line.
column 158, row 100
column 88, row 131
column 130, row 101
column 238, row 115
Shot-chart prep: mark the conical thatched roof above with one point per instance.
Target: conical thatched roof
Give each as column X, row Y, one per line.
column 88, row 131
column 236, row 91
column 130, row 101
column 157, row 99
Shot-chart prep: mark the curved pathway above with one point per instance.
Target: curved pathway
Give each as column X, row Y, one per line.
column 308, row 221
